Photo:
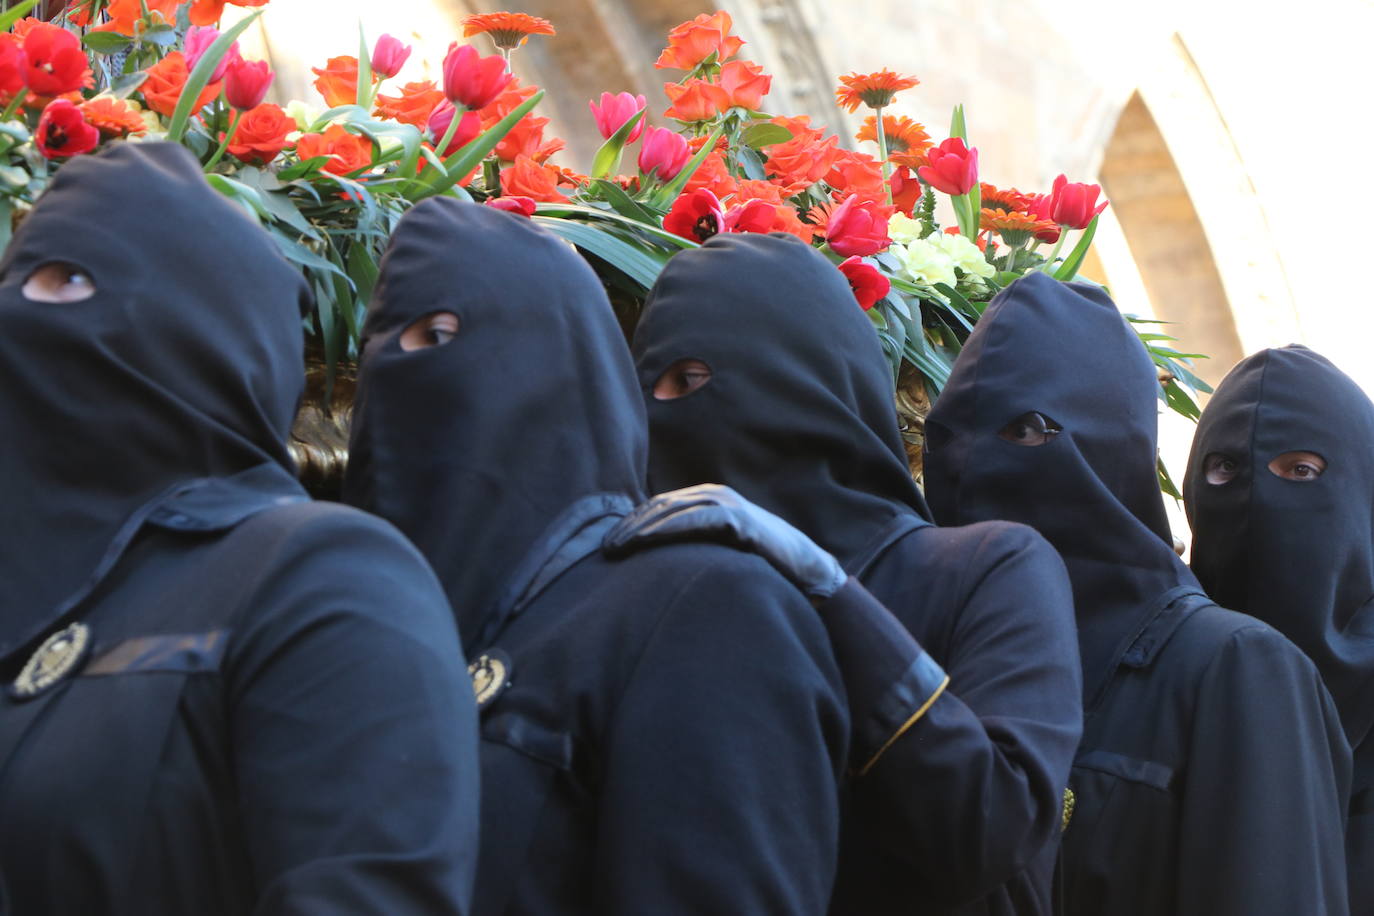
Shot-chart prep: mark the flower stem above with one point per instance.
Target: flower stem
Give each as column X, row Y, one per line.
column 882, row 154
column 224, row 144
column 1048, row 266
column 442, row 148
column 15, row 104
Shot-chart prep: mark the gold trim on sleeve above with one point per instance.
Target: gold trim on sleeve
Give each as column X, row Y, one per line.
column 915, row 717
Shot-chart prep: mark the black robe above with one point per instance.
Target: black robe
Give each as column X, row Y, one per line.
column 220, row 698
column 1212, row 776
column 662, row 733
column 1299, row 555
column 955, row 804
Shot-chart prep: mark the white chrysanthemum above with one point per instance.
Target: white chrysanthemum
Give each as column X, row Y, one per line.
column 303, row 114
column 922, row 262
column 964, row 254
column 902, row 228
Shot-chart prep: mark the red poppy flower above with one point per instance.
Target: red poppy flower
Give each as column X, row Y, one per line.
column 14, row 65
column 57, row 65
column 867, row 282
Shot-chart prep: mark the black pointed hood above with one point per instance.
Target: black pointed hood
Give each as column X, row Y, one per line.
column 1298, row 555
column 1064, row 351
column 185, row 363
column 798, row 415
column 476, row 447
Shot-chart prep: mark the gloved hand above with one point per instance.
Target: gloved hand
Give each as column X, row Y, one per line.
column 714, row 512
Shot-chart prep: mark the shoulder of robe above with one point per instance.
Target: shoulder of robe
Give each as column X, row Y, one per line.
column 1214, row 639
column 973, row 550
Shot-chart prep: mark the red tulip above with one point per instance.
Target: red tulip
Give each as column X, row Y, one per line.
column 524, row 206
column 615, row 110
column 663, row 152
column 1041, row 207
column 752, row 216
column 858, row 227
column 953, row 167
column 442, row 117
column 471, row 80
column 696, row 216
column 199, row 38
column 1071, row 203
column 246, row 83
column 14, row 66
column 63, row 131
column 867, row 282
column 57, row 64
column 389, row 56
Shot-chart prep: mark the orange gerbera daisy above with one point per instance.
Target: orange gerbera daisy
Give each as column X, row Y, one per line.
column 1010, row 200
column 113, row 117
column 907, row 140
column 1014, row 227
column 507, row 30
column 872, row 89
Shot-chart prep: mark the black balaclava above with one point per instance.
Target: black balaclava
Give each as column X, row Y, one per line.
column 474, row 448
column 1062, row 350
column 185, row 363
column 1298, row 555
column 798, row 414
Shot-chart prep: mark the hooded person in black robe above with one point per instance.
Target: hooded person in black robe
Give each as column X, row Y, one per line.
column 219, row 698
column 1280, row 496
column 1213, row 775
column 761, row 372
column 661, row 733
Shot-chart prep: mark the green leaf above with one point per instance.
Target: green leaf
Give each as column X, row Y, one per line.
column 15, row 13
column 623, row 203
column 200, row 76
column 957, row 126
column 640, row 264
column 673, row 188
column 364, row 88
column 660, row 235
column 751, row 164
column 765, row 134
column 126, row 84
column 1069, row 269
column 1166, row 483
column 106, row 42
column 607, row 158
column 237, row 190
column 466, row 158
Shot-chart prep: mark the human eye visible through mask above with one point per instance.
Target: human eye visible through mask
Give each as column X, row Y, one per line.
column 1219, row 468
column 681, row 378
column 433, row 330
column 58, row 281
column 1298, row 466
column 1030, row 429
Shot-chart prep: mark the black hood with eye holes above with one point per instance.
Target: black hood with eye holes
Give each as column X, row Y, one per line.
column 798, row 415
column 184, row 364
column 477, row 447
column 1298, row 555
column 1063, row 350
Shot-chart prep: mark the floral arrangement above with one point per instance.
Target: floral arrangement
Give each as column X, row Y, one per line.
column 329, row 183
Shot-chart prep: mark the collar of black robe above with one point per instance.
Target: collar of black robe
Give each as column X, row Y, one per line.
column 476, row 448
column 184, row 364
column 1298, row 555
column 1063, row 350
column 798, row 415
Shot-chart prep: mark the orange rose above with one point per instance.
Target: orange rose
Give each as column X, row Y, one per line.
column 208, row 12
column 262, row 134
column 713, row 175
column 528, row 178
column 124, row 14
column 692, row 42
column 697, row 100
column 858, row 174
column 165, row 80
column 338, row 81
column 745, row 84
column 347, row 153
column 803, row 160
column 113, row 117
column 413, row 106
column 526, row 138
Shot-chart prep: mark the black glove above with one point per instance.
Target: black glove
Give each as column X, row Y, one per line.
column 713, row 512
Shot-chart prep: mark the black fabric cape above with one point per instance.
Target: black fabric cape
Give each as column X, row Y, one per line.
column 1298, row 555
column 673, row 731
column 961, row 812
column 1212, row 774
column 270, row 716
